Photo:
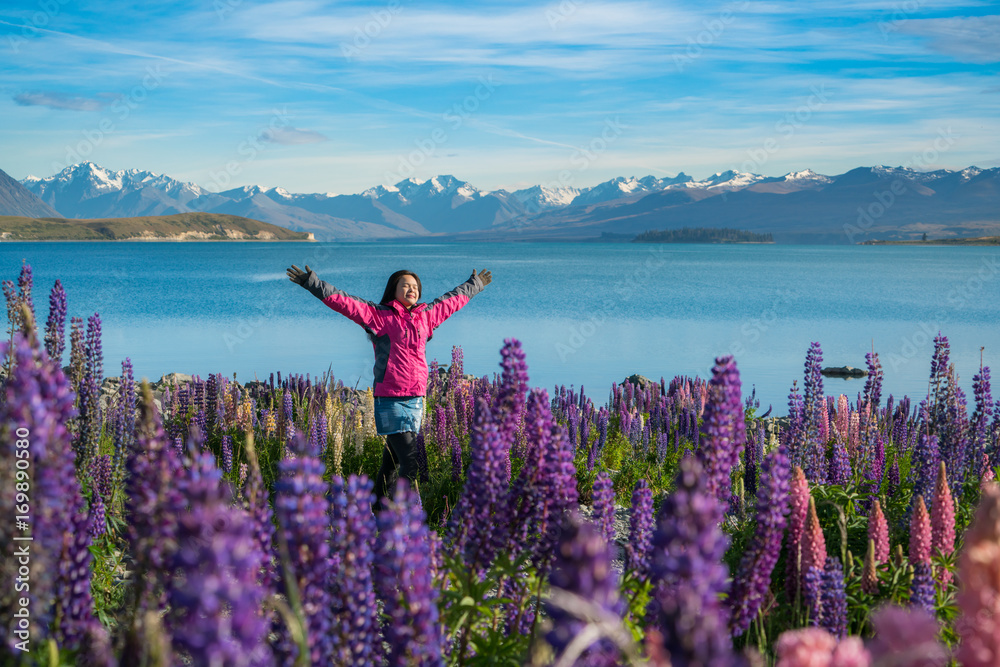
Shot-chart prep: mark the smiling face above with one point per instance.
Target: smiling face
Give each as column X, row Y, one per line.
column 407, row 290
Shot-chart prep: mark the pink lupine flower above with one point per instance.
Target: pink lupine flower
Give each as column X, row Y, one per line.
column 943, row 522
column 906, row 637
column 854, row 433
column 851, row 652
column 798, row 500
column 842, row 420
column 869, row 574
column 920, row 534
column 878, row 532
column 809, row 647
column 813, row 542
column 979, row 594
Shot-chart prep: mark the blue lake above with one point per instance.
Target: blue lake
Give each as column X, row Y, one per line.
column 586, row 313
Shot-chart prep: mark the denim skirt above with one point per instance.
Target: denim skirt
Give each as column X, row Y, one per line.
column 398, row 414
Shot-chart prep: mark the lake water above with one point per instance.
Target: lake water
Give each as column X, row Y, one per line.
column 586, row 313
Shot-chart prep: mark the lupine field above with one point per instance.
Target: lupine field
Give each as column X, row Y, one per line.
column 229, row 524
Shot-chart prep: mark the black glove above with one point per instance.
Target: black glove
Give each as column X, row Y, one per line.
column 297, row 275
column 484, row 275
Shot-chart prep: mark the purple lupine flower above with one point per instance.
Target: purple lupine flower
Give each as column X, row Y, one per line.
column 752, row 460
column 541, row 493
column 512, row 393
column 840, row 464
column 922, row 587
column 723, row 427
column 480, row 508
column 55, row 326
column 873, row 385
column 227, row 454
column 604, row 506
column 688, row 572
column 939, row 368
column 812, row 594
column 212, row 403
column 834, row 599
column 907, row 637
column 356, row 629
column 13, row 305
column 813, row 397
column 288, row 424
column 455, row 370
column 153, row 502
column 582, row 567
column 125, row 427
column 640, row 530
column 793, row 437
column 983, row 446
column 97, row 524
column 753, row 579
column 213, row 568
column 24, row 285
column 441, row 428
column 404, row 583
column 94, row 355
column 925, row 461
column 257, row 505
column 100, row 474
column 422, row 465
column 798, row 511
column 456, row 458
column 601, row 421
column 302, row 507
column 38, row 399
column 814, row 405
column 585, row 431
column 74, row 605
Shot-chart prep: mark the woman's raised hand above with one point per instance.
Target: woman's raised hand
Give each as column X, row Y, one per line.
column 484, row 275
column 297, row 275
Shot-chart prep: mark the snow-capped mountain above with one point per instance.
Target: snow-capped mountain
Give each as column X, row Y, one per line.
column 620, row 187
column 539, row 198
column 445, row 205
column 87, row 190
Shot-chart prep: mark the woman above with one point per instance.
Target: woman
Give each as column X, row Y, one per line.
column 399, row 329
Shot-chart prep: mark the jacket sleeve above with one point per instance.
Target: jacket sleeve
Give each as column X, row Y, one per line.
column 448, row 303
column 364, row 313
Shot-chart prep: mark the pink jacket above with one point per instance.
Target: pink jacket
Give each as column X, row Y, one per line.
column 398, row 336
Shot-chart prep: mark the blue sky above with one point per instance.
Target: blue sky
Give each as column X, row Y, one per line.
column 339, row 97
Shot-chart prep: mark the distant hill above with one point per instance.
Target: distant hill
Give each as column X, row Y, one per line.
column 179, row 227
column 15, row 199
column 893, row 203
column 702, row 235
column 979, row 240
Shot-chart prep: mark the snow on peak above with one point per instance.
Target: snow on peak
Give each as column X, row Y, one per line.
column 380, row 191
column 541, row 197
column 806, row 175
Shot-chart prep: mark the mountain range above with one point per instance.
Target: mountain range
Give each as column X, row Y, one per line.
column 799, row 207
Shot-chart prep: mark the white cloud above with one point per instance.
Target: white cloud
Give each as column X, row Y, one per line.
column 972, row 39
column 61, row 101
column 291, row 136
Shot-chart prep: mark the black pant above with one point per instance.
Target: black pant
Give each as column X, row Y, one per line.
column 400, row 449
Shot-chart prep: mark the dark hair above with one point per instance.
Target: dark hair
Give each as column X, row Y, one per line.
column 390, row 286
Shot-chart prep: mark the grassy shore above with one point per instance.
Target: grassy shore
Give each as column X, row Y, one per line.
column 179, row 227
